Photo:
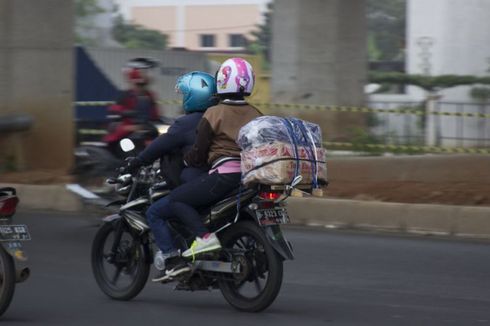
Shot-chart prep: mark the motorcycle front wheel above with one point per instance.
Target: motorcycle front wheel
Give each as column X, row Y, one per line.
column 258, row 284
column 119, row 261
column 7, row 280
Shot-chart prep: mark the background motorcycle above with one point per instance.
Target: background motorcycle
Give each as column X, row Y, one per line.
column 96, row 161
column 11, row 251
column 249, row 268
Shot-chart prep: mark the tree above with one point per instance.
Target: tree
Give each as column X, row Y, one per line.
column 137, row 37
column 263, row 36
column 85, row 11
column 428, row 83
column 386, row 21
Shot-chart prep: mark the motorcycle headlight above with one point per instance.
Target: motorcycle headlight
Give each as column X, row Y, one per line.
column 162, row 129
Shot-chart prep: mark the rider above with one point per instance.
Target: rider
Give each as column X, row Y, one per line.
column 198, row 90
column 215, row 147
column 137, row 105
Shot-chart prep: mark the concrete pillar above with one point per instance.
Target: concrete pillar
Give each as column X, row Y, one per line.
column 36, row 78
column 319, row 57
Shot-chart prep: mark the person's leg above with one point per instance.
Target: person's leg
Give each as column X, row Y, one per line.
column 201, row 192
column 156, row 216
column 167, row 260
column 191, row 173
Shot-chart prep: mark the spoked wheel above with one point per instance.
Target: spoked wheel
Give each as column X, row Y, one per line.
column 7, row 280
column 260, row 277
column 119, row 261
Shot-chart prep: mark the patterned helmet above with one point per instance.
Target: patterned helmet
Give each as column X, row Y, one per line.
column 235, row 76
column 198, row 90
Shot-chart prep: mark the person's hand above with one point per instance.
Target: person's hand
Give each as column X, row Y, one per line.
column 133, row 164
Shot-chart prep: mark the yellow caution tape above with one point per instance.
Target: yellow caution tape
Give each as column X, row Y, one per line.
column 92, row 132
column 409, row 148
column 105, row 103
column 335, row 108
column 331, row 108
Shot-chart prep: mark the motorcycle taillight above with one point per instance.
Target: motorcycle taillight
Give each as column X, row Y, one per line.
column 8, row 205
column 270, row 195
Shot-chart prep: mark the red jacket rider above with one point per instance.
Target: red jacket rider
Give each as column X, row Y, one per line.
column 137, row 105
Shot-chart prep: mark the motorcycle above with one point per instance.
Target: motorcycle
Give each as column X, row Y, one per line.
column 11, row 252
column 247, row 270
column 96, row 161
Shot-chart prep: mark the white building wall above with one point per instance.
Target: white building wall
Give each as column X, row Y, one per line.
column 458, row 32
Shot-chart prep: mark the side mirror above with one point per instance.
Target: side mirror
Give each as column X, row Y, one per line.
column 296, row 181
column 127, row 145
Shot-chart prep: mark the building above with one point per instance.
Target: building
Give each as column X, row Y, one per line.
column 447, row 37
column 199, row 25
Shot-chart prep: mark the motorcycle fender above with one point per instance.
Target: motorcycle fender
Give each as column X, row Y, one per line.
column 110, row 218
column 14, row 249
column 277, row 240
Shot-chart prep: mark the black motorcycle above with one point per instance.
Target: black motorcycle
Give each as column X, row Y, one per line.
column 247, row 270
column 12, row 256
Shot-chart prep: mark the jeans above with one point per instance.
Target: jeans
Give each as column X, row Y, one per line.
column 182, row 203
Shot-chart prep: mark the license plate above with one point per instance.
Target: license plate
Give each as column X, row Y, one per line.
column 14, row 232
column 272, row 216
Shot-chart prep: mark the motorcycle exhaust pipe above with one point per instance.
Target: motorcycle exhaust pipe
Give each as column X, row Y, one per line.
column 22, row 274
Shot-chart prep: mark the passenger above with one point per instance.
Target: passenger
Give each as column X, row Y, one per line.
column 215, row 147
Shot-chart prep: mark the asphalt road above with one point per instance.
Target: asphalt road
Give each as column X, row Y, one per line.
column 338, row 278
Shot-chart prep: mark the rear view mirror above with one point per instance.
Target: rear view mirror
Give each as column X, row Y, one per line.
column 127, row 145
column 296, row 181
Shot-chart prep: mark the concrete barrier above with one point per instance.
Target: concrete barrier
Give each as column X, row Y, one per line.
column 464, row 221
column 46, row 197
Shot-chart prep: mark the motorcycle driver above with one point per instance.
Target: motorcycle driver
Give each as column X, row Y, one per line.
column 214, row 147
column 136, row 105
column 199, row 93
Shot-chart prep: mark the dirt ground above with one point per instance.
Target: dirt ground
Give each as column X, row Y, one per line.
column 438, row 179
column 413, row 192
column 456, row 180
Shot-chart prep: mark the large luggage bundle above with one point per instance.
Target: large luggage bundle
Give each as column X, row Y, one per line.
column 275, row 150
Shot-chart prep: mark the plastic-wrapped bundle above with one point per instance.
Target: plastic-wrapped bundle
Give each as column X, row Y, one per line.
column 267, row 129
column 275, row 150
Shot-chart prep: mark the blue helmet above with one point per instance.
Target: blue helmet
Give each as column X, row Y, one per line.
column 198, row 90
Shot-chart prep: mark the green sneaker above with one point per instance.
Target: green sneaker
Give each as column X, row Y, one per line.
column 209, row 242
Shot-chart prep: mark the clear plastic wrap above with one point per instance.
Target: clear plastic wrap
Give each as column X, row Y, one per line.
column 267, row 129
column 275, row 149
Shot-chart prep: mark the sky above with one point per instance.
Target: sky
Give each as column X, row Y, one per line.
column 126, row 4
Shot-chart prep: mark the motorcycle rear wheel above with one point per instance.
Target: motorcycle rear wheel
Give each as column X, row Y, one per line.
column 260, row 262
column 7, row 280
column 129, row 262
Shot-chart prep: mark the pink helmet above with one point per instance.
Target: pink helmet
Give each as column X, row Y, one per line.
column 235, row 76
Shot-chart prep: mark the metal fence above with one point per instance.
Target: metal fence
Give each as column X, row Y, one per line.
column 395, row 126
column 454, row 124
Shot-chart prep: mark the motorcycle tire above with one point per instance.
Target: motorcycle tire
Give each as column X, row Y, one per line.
column 7, row 281
column 137, row 267
column 270, row 260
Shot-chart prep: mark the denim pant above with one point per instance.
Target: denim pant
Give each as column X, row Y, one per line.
column 182, row 203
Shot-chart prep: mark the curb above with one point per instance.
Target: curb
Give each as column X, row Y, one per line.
column 46, row 197
column 447, row 220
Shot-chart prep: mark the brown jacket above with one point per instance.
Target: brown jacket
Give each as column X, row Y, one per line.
column 217, row 132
